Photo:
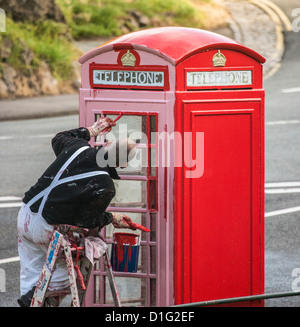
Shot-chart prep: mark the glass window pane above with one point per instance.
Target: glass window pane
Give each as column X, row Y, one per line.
column 133, row 126
column 132, row 291
column 152, row 227
column 130, row 194
column 152, row 123
column 153, row 292
column 153, row 161
column 153, row 259
column 152, row 204
column 138, row 165
column 130, row 126
column 98, row 284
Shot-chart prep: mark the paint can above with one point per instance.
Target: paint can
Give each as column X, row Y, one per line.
column 125, row 252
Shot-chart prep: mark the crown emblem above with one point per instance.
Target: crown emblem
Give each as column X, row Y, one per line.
column 128, row 59
column 219, row 59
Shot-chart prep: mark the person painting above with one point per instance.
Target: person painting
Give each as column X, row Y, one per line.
column 74, row 190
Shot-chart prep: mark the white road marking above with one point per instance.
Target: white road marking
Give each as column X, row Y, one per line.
column 282, row 184
column 11, row 205
column 282, row 187
column 4, row 138
column 291, row 90
column 8, row 260
column 9, row 198
column 280, row 13
column 282, row 212
column 283, row 122
column 9, row 137
column 282, row 190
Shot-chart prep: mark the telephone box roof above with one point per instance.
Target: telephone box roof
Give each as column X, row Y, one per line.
column 174, row 43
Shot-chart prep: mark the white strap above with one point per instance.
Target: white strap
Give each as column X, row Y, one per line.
column 60, row 172
column 66, row 164
column 44, row 194
column 65, row 180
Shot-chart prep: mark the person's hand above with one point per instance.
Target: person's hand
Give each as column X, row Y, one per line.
column 122, row 221
column 103, row 125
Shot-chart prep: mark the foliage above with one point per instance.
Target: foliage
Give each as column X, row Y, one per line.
column 49, row 41
column 52, row 42
column 91, row 18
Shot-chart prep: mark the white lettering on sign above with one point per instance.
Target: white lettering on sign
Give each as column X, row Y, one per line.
column 219, row 78
column 128, row 77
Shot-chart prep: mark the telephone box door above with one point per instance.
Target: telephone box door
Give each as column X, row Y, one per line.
column 223, row 224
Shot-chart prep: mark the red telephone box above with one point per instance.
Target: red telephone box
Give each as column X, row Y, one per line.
column 193, row 101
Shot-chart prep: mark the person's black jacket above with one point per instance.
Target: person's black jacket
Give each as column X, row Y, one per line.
column 82, row 202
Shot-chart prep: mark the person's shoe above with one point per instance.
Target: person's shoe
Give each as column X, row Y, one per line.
column 25, row 300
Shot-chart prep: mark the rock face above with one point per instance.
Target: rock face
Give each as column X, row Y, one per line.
column 32, row 10
column 32, row 81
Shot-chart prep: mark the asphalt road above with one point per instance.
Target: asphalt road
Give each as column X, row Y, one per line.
column 25, row 151
column 282, row 167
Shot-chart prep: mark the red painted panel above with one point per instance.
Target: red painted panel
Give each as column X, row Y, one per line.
column 222, row 227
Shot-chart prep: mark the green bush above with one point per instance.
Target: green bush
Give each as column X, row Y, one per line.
column 48, row 40
column 91, row 18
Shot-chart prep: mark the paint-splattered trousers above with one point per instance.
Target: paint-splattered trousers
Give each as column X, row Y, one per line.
column 34, row 235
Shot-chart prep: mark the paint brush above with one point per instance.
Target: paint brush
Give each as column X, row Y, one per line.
column 138, row 226
column 120, row 115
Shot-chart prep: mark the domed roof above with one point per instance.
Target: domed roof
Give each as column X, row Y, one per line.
column 175, row 43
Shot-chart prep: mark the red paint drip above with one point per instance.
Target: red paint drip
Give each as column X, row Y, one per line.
column 124, row 239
